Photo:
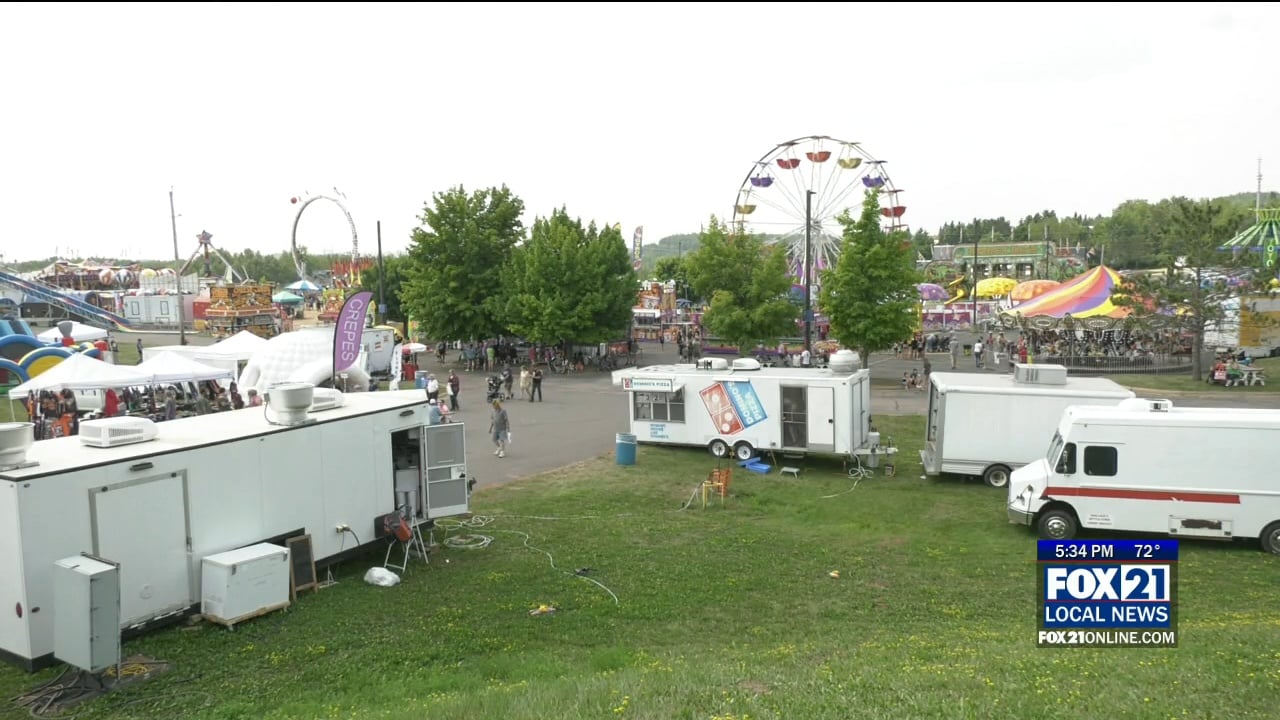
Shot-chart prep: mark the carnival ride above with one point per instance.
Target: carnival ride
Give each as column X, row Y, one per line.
column 43, row 292
column 959, row 286
column 299, row 262
column 1087, row 302
column 206, row 248
column 795, row 193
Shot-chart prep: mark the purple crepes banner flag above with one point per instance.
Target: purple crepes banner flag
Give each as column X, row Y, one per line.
column 348, row 332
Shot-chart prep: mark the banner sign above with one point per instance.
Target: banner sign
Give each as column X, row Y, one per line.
column 348, row 331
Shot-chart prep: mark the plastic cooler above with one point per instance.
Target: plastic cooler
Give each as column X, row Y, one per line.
column 625, row 449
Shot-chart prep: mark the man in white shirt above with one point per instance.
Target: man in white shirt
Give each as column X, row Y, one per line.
column 804, row 358
column 977, row 354
column 433, row 388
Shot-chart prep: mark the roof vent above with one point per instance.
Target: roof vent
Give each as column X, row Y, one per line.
column 327, row 399
column 746, row 364
column 844, row 361
column 713, row 364
column 16, row 439
column 116, row 431
column 1028, row 374
column 291, row 402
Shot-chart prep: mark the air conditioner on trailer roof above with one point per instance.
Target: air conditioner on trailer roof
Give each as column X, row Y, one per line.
column 117, row 431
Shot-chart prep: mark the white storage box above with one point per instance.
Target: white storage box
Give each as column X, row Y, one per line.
column 86, row 613
column 241, row 584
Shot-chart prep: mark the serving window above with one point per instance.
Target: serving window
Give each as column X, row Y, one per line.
column 659, row 406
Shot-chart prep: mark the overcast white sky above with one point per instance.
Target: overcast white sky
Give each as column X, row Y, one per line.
column 643, row 115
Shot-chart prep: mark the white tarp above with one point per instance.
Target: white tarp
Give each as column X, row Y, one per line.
column 80, row 371
column 170, row 367
column 79, row 332
column 241, row 346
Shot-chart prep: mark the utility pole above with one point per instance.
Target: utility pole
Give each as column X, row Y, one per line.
column 382, row 279
column 808, row 243
column 182, row 323
column 975, row 280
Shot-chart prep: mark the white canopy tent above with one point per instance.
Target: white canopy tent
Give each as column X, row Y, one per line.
column 172, row 367
column 79, row 332
column 240, row 346
column 81, row 372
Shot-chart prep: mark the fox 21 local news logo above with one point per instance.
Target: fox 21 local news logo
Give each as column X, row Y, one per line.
column 1107, row 593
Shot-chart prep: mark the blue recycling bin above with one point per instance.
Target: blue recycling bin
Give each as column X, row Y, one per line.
column 625, row 449
column 420, row 380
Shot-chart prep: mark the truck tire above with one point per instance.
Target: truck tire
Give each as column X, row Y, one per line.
column 1270, row 538
column 1057, row 524
column 718, row 448
column 744, row 451
column 997, row 476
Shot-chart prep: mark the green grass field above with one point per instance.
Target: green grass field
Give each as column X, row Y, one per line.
column 726, row 613
column 1185, row 383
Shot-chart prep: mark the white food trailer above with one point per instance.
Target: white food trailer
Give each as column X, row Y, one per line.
column 990, row 425
column 1148, row 467
column 159, row 498
column 741, row 409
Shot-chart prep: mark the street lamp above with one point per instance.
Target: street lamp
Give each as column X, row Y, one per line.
column 808, row 242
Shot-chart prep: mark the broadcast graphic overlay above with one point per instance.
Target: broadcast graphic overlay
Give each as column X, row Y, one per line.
column 1107, row 593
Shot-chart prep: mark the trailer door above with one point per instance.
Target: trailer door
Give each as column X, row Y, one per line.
column 821, row 419
column 143, row 524
column 447, row 491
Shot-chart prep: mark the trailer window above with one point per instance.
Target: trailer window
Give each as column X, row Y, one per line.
column 660, row 406
column 1100, row 461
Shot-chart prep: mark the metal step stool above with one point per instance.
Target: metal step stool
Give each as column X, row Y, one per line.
column 792, row 471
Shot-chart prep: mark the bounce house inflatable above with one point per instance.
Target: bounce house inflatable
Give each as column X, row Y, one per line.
column 304, row 355
column 24, row 356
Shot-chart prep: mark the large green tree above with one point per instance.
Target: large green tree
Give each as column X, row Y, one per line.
column 453, row 284
column 870, row 296
column 1187, row 294
column 569, row 283
column 673, row 268
column 386, row 284
column 747, row 282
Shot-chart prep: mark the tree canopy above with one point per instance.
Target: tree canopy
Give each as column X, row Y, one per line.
column 454, row 280
column 747, row 282
column 870, row 296
column 569, row 283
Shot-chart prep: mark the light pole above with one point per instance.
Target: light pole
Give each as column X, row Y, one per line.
column 182, row 324
column 808, row 243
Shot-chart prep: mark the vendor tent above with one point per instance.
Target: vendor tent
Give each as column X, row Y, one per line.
column 81, row 372
column 284, row 297
column 241, row 346
column 79, row 332
column 170, row 367
column 303, row 285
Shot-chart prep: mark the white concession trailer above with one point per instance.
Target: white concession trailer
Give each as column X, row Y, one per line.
column 1147, row 467
column 158, row 498
column 990, row 425
column 740, row 409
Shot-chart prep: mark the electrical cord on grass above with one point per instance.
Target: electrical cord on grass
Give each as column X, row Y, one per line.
column 475, row 541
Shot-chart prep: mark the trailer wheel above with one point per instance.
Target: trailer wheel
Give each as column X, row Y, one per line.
column 1057, row 524
column 743, row 451
column 719, row 448
column 997, row 476
column 1270, row 538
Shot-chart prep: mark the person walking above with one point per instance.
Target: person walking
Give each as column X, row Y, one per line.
column 500, row 429
column 537, row 385
column 953, row 347
column 455, row 385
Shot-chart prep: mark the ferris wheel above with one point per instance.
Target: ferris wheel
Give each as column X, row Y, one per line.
column 815, row 178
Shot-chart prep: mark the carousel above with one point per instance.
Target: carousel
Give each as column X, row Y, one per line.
column 1080, row 324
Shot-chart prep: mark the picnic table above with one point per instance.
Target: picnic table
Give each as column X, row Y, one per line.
column 1247, row 376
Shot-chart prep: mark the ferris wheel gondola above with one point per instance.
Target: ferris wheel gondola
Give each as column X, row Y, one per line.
column 809, row 182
